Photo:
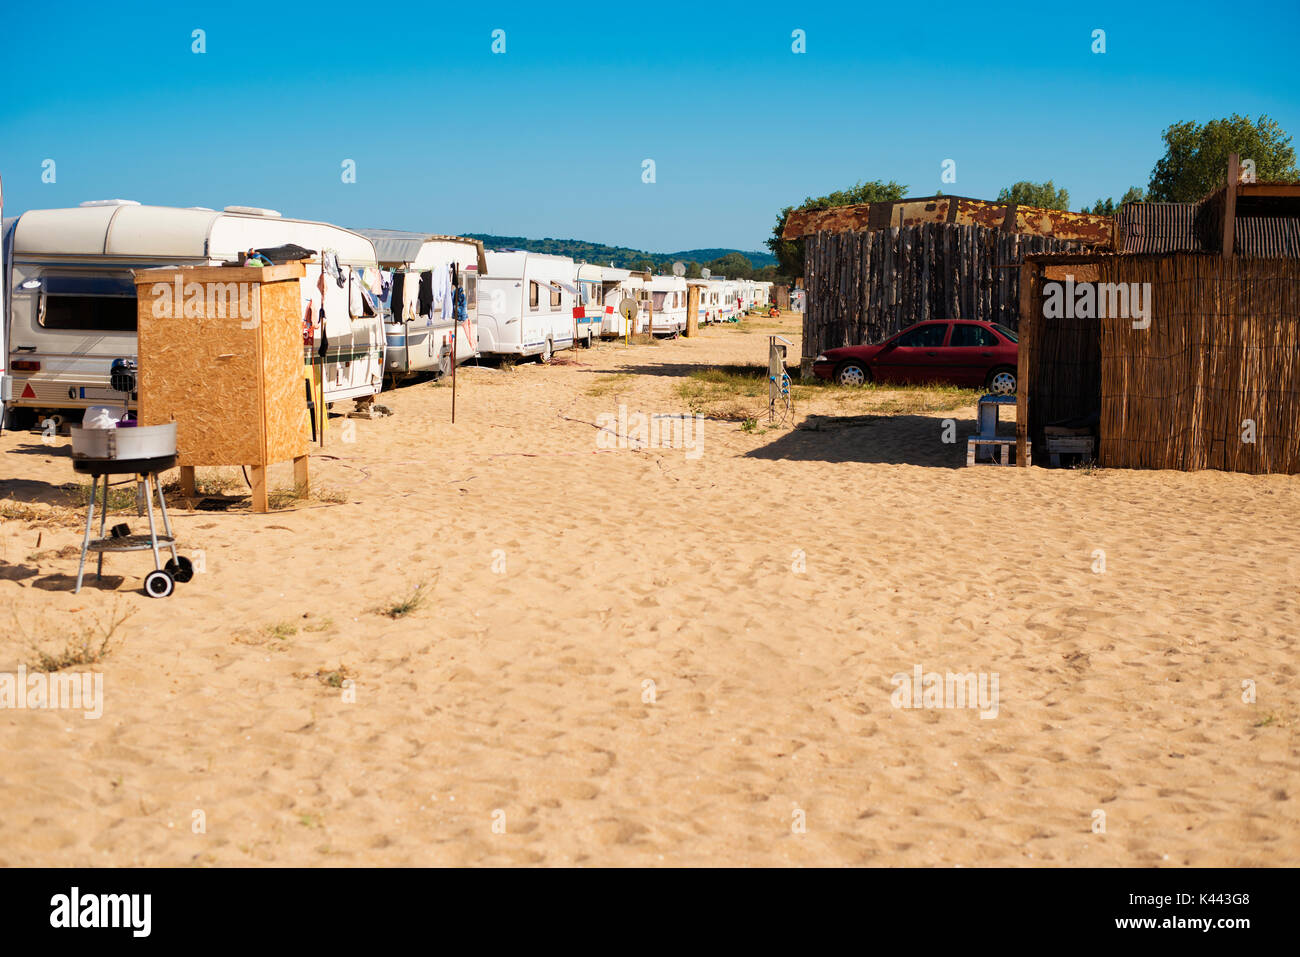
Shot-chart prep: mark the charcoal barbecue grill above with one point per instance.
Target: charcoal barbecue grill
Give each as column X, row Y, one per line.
column 144, row 452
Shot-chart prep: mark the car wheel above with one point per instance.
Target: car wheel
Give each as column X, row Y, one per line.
column 21, row 419
column 852, row 373
column 1002, row 382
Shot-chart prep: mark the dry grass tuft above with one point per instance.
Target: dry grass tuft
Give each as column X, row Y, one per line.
column 739, row 392
column 90, row 645
column 609, row 383
column 408, row 605
column 37, row 515
column 331, row 678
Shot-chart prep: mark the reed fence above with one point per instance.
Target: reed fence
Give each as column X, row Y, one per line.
column 1208, row 379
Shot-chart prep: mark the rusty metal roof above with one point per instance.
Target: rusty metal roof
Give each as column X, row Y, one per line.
column 1157, row 228
column 1267, row 236
column 1031, row 220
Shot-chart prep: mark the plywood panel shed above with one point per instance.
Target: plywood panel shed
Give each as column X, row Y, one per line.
column 221, row 354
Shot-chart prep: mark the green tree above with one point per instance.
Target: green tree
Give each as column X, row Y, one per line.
column 1108, row 207
column 733, row 266
column 693, row 270
column 1042, row 195
column 642, row 265
column 789, row 252
column 1196, row 157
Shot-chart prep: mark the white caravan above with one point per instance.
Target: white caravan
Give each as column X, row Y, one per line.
column 429, row 298
column 668, row 295
column 710, row 295
column 745, row 291
column 525, row 304
column 614, row 289
column 728, row 296
column 73, row 304
column 623, row 284
column 589, row 311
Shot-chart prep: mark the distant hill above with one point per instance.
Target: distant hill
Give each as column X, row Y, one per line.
column 620, row 256
column 759, row 259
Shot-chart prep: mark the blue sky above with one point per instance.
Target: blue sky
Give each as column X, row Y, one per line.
column 548, row 138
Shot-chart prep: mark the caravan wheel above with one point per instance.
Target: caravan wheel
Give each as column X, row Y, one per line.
column 444, row 367
column 546, row 354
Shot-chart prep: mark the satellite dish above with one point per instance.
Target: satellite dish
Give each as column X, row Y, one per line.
column 679, row 269
column 628, row 308
column 706, row 272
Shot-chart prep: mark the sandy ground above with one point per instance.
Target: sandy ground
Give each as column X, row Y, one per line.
column 634, row 657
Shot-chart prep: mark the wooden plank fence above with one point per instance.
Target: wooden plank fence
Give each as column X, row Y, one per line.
column 864, row 286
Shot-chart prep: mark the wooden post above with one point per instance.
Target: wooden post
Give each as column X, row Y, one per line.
column 257, row 479
column 692, row 310
column 1028, row 319
column 187, row 481
column 1230, row 205
column 300, row 476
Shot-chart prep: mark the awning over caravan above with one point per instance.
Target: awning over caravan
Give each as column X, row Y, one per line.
column 396, row 247
column 571, row 290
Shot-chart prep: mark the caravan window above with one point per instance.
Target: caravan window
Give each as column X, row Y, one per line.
column 555, row 296
column 534, row 295
column 100, row 301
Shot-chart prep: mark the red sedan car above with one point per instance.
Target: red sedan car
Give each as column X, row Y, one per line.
column 978, row 355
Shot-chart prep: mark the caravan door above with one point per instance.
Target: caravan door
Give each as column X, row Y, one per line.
column 354, row 341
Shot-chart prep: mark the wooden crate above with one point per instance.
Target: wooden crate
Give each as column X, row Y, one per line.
column 1000, row 448
column 225, row 362
column 1058, row 445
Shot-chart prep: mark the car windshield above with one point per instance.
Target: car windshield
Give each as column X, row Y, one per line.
column 1005, row 332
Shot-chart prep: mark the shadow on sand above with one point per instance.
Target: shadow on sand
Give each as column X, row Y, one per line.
column 879, row 439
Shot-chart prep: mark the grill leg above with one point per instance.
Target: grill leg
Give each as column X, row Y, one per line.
column 167, row 525
column 90, row 522
column 103, row 517
column 153, row 531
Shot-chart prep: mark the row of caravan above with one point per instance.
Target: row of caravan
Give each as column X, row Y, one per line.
column 378, row 304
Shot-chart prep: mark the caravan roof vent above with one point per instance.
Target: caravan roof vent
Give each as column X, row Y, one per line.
column 110, row 202
column 252, row 211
